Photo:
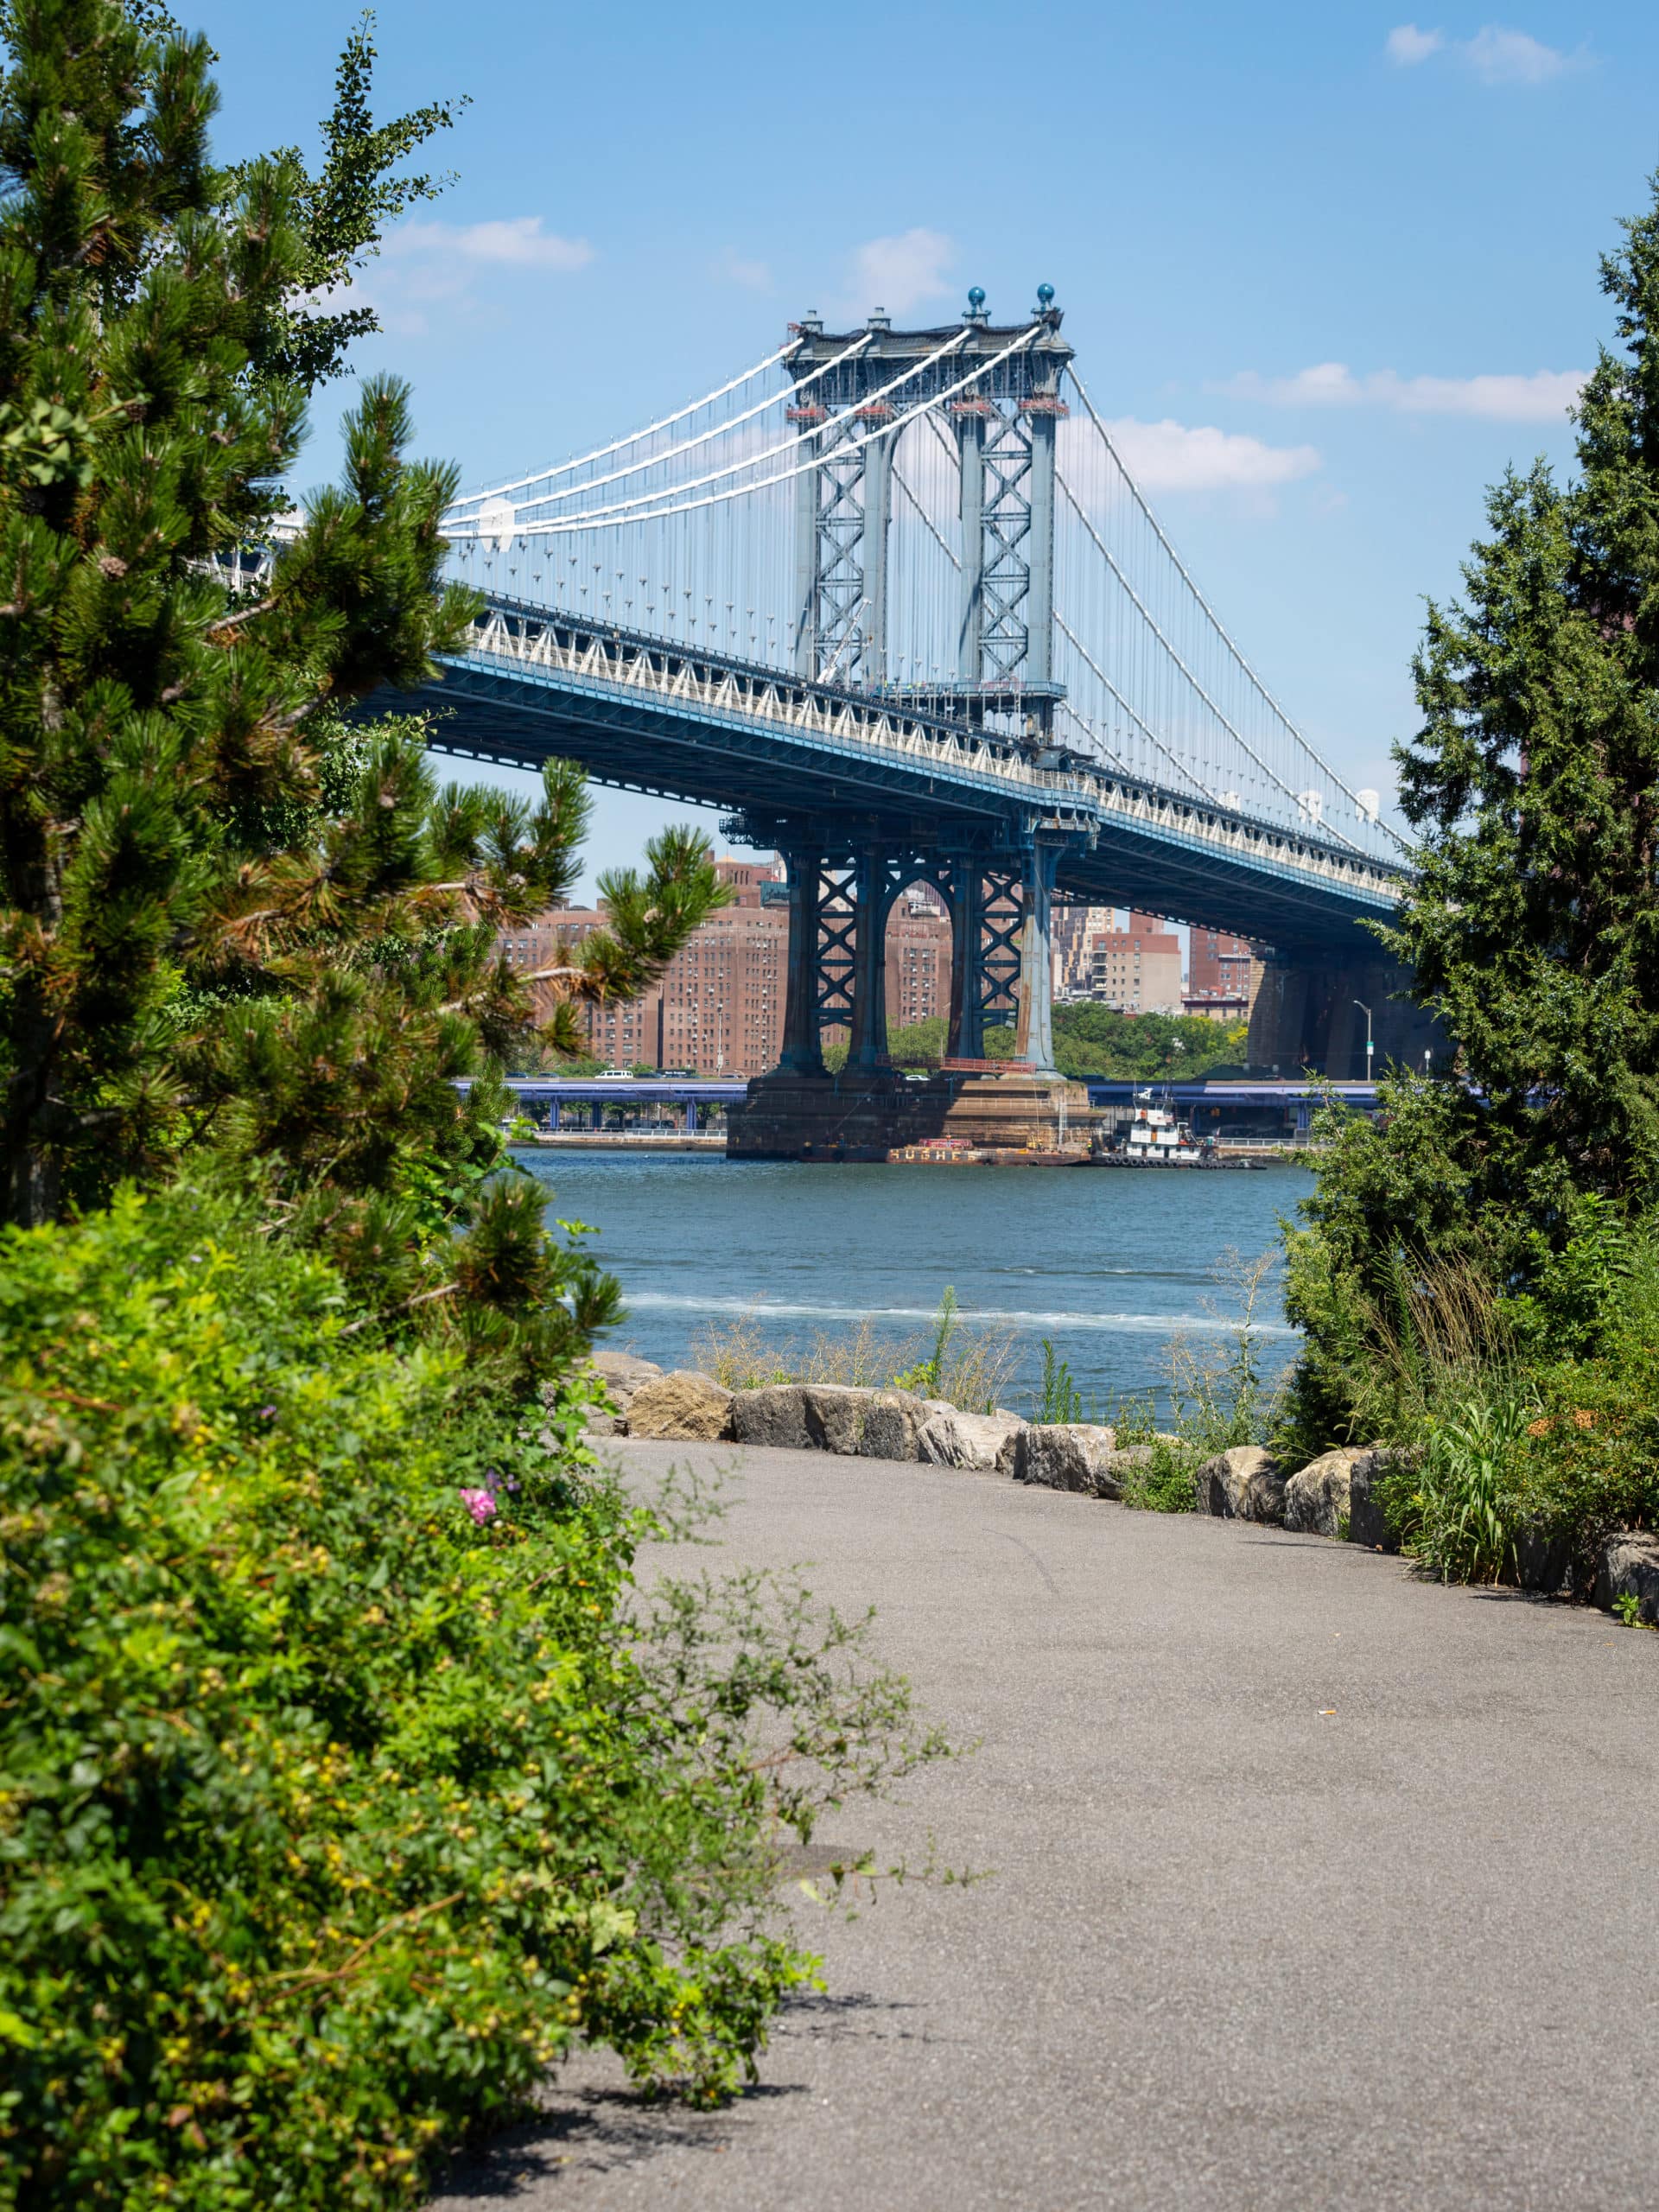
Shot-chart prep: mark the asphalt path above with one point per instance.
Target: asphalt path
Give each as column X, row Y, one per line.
column 1307, row 1884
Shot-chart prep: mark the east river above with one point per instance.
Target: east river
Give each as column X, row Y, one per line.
column 1107, row 1264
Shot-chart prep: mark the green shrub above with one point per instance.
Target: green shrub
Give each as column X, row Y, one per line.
column 342, row 1792
column 1586, row 1461
column 1165, row 1484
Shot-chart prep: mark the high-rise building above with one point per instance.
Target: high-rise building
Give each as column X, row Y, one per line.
column 919, row 961
column 1071, row 933
column 1137, row 969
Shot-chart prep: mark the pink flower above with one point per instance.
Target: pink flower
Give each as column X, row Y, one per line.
column 480, row 1504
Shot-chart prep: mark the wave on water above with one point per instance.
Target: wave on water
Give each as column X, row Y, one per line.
column 767, row 1309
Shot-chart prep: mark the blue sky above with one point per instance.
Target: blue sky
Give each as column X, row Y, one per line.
column 1356, row 249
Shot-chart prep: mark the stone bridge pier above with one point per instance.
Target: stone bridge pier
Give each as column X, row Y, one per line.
column 843, row 886
column 1309, row 1012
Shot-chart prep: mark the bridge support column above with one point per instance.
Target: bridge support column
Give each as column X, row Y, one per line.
column 802, row 1052
column 690, row 1118
column 878, row 506
column 966, row 1037
column 1305, row 1016
column 1035, row 1033
column 553, row 1115
column 868, row 1045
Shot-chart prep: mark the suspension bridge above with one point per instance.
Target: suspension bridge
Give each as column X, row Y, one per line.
column 892, row 600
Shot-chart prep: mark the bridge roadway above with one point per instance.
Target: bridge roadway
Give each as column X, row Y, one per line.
column 682, row 724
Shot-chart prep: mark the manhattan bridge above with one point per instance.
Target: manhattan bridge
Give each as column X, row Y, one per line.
column 892, row 600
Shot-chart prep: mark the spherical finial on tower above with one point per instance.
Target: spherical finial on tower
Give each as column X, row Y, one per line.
column 976, row 297
column 1045, row 296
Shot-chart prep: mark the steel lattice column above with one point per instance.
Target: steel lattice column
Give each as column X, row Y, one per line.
column 986, row 916
column 874, row 896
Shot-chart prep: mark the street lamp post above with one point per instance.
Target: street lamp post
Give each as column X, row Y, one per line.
column 1370, row 1046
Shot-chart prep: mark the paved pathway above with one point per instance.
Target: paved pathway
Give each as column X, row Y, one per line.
column 1314, row 1887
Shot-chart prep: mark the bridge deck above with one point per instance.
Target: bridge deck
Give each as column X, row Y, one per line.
column 690, row 726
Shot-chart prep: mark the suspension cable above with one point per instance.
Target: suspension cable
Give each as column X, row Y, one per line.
column 686, row 445
column 1145, row 730
column 606, row 518
column 1147, row 616
column 634, row 437
column 1215, row 622
column 595, row 517
column 928, row 523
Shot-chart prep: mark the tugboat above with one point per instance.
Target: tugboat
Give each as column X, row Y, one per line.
column 1155, row 1138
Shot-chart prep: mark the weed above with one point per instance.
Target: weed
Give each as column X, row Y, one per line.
column 1060, row 1401
column 1214, row 1383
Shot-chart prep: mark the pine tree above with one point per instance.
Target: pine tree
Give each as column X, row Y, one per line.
column 229, row 920
column 1533, row 786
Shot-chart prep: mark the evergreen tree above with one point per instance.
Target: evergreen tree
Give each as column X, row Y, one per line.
column 1532, row 922
column 225, row 918
column 1534, row 787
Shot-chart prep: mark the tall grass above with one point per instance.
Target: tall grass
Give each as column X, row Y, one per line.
column 1218, row 1393
column 970, row 1365
column 1458, row 1520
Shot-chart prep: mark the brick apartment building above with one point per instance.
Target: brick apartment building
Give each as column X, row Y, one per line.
column 719, row 1007
column 1223, row 975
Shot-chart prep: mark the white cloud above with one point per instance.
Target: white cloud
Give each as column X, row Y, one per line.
column 1168, row 456
column 428, row 270
column 753, row 275
column 1543, row 396
column 514, row 242
column 1500, row 57
column 899, row 273
column 1495, row 55
column 1408, row 44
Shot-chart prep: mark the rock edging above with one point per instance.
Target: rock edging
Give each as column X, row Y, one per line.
column 1335, row 1496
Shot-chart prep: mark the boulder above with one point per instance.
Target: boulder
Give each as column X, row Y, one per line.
column 1367, row 1522
column 1263, row 1497
column 950, row 1438
column 870, row 1424
column 1630, row 1566
column 1220, row 1484
column 1317, row 1496
column 683, row 1405
column 1068, row 1455
column 623, row 1374
column 774, row 1416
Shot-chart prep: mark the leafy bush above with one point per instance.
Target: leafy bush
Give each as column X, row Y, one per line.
column 345, row 1788
column 1586, row 1461
column 1165, row 1484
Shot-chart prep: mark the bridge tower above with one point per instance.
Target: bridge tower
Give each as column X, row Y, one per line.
column 994, row 394
column 1003, row 423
